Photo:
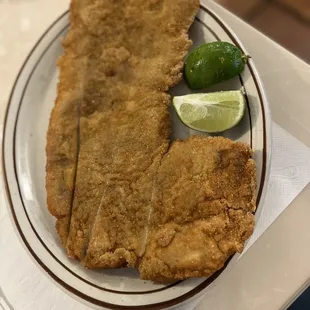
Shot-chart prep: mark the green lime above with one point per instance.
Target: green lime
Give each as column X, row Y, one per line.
column 212, row 63
column 212, row 112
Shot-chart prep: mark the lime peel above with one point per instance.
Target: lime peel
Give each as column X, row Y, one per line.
column 211, row 112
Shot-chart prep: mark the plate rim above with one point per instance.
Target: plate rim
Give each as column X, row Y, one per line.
column 260, row 196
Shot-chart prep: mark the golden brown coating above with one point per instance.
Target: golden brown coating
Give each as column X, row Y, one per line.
column 202, row 210
column 135, row 69
column 121, row 199
column 126, row 55
column 117, row 163
column 62, row 136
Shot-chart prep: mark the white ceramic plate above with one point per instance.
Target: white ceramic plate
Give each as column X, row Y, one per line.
column 24, row 170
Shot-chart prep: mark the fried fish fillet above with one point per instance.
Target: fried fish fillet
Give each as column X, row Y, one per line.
column 139, row 125
column 202, row 212
column 121, row 198
column 126, row 55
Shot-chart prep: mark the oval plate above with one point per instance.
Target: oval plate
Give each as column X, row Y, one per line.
column 24, row 160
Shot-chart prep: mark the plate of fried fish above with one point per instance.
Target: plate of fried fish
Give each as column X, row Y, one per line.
column 118, row 201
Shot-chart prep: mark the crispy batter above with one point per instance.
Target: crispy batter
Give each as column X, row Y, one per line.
column 62, row 136
column 119, row 200
column 202, row 211
column 133, row 55
column 139, row 123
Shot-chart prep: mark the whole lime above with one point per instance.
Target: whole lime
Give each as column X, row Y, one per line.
column 212, row 63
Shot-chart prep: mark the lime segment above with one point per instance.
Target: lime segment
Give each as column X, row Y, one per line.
column 212, row 112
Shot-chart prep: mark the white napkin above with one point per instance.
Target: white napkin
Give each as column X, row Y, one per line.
column 289, row 174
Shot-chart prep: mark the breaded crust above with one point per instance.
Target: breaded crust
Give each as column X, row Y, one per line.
column 62, row 135
column 202, row 213
column 120, row 196
column 119, row 59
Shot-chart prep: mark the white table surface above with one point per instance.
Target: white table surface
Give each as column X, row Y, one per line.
column 275, row 269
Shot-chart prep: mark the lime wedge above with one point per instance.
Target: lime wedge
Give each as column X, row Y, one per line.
column 211, row 112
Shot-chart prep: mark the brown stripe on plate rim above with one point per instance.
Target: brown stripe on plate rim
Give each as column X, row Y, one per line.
column 156, row 306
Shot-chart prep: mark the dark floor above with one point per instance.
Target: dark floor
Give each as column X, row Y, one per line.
column 303, row 302
column 285, row 21
column 288, row 23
